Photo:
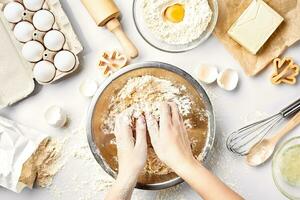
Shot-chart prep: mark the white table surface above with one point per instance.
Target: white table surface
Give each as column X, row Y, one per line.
column 253, row 97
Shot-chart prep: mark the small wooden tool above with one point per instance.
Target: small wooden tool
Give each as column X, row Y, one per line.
column 106, row 13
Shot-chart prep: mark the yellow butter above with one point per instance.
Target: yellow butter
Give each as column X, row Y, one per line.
column 255, row 26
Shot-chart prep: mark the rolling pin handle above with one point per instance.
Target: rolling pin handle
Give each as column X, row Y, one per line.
column 115, row 27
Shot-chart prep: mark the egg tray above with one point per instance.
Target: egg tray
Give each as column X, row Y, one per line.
column 61, row 23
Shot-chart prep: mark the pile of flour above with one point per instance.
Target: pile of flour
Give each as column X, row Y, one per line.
column 197, row 17
column 144, row 95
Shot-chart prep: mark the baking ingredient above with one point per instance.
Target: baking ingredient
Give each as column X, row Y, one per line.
column 189, row 24
column 43, row 20
column 64, row 61
column 17, row 144
column 13, row 12
column 286, row 71
column 43, row 165
column 143, row 95
column 88, row 87
column 54, row 40
column 23, row 31
column 174, row 13
column 55, row 116
column 44, row 71
column 255, row 26
column 111, row 61
column 290, row 165
column 33, row 5
column 207, row 73
column 228, row 79
column 33, row 51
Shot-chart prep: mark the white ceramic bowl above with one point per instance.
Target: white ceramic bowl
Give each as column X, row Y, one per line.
column 163, row 46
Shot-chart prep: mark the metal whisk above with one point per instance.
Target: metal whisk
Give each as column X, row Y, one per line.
column 242, row 140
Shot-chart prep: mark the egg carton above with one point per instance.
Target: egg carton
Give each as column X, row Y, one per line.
column 60, row 30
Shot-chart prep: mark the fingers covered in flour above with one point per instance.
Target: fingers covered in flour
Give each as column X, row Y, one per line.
column 152, row 127
column 141, row 140
column 123, row 131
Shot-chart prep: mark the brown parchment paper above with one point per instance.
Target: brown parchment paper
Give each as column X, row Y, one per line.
column 286, row 35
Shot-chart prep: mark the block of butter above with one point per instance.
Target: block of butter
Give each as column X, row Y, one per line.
column 255, row 26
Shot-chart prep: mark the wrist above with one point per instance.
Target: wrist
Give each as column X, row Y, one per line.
column 125, row 180
column 186, row 166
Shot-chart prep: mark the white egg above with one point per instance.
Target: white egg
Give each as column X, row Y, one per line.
column 23, row 31
column 43, row 20
column 64, row 61
column 55, row 116
column 33, row 5
column 228, row 79
column 54, row 40
column 44, row 71
column 88, row 87
column 13, row 12
column 33, row 51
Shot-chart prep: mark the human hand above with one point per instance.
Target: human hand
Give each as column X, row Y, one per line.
column 170, row 139
column 132, row 154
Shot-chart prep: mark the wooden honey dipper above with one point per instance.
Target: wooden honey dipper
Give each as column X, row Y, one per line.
column 106, row 13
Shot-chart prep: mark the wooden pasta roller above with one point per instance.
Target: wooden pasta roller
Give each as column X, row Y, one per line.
column 106, row 13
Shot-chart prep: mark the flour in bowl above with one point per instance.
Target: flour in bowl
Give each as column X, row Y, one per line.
column 177, row 22
column 144, row 95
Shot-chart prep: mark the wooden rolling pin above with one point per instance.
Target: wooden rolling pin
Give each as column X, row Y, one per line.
column 106, row 13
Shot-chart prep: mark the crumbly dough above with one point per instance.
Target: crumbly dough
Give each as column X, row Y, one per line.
column 143, row 95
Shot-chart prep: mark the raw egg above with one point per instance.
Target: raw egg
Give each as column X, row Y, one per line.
column 54, row 40
column 43, row 20
column 64, row 61
column 23, row 31
column 33, row 5
column 33, row 51
column 44, row 71
column 13, row 12
column 174, row 13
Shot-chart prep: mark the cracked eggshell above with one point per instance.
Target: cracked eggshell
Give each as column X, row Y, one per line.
column 13, row 12
column 43, row 20
column 88, row 88
column 33, row 5
column 23, row 31
column 64, row 61
column 33, row 51
column 54, row 40
column 228, row 79
column 44, row 71
column 55, row 116
column 207, row 73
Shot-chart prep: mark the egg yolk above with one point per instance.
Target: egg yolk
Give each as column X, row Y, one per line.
column 175, row 13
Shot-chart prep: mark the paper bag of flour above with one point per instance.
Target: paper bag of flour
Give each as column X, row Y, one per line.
column 17, row 144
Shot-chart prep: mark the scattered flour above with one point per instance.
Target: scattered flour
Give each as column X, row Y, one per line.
column 197, row 17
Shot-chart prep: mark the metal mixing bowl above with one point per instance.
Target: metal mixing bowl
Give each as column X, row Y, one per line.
column 109, row 86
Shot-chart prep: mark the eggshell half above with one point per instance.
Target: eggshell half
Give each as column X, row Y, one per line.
column 43, row 20
column 207, row 73
column 44, row 71
column 33, row 5
column 33, row 51
column 54, row 40
column 55, row 116
column 13, row 12
column 228, row 79
column 64, row 61
column 23, row 31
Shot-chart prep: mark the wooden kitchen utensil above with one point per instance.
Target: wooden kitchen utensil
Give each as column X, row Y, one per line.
column 263, row 150
column 106, row 13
